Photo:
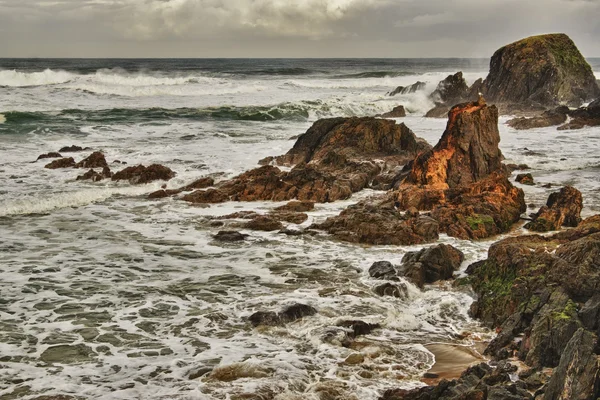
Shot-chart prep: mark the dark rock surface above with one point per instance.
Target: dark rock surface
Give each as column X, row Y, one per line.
column 201, row 183
column 584, row 116
column 546, row 69
column 563, row 208
column 397, row 112
column 525, row 179
column 415, row 87
column 297, row 206
column 49, row 155
column 67, row 162
column 552, row 117
column 94, row 160
column 71, row 149
column 382, row 270
column 140, row 174
column 431, row 264
column 287, row 315
column 230, row 236
column 96, row 176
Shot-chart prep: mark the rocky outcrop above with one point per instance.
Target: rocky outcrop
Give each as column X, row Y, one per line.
column 230, row 236
column 524, row 179
column 67, row 162
column 451, row 91
column 94, row 160
column 201, row 183
column 397, row 112
column 140, row 174
column 71, row 149
column 461, row 181
column 415, row 87
column 562, row 209
column 333, row 159
column 49, row 155
column 95, row 176
column 547, row 70
column 297, row 206
column 584, row 116
column 289, row 314
column 552, row 117
column 431, row 264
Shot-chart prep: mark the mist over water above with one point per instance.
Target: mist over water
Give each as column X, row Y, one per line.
column 141, row 298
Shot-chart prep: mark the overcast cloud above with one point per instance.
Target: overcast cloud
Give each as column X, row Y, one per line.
column 287, row 28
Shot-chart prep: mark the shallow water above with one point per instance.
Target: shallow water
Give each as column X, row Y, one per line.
column 136, row 294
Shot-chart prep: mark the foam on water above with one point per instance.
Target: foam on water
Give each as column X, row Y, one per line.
column 154, row 301
column 15, row 78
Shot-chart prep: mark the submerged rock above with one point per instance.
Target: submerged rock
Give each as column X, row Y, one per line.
column 67, row 162
column 96, row 176
column 49, row 155
column 562, row 209
column 230, row 236
column 545, row 69
column 140, row 174
column 289, row 314
column 94, row 160
column 556, row 116
column 201, row 183
column 67, row 354
column 71, row 149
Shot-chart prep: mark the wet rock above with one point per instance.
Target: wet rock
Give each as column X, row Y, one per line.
column 516, row 167
column 439, row 111
column 289, row 216
column 67, row 162
column 206, row 196
column 354, row 359
column 397, row 112
column 140, row 174
column 289, row 314
column 297, row 206
column 49, row 155
column 562, row 209
column 545, row 69
column 71, row 149
column 524, row 179
column 230, row 236
column 67, row 354
column 451, row 90
column 398, row 290
column 382, row 270
column 415, row 87
column 94, row 160
column 431, row 264
column 583, row 116
column 201, row 183
column 358, row 328
column 556, row 116
column 95, row 176
column 264, row 223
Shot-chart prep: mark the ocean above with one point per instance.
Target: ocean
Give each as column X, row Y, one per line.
column 106, row 294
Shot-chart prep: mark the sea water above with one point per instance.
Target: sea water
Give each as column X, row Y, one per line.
column 105, row 294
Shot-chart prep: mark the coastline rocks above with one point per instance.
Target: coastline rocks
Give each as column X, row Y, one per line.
column 206, row 196
column 452, row 90
column 524, row 179
column 545, row 70
column 431, row 264
column 140, row 174
column 563, row 208
column 556, row 116
column 289, row 314
column 264, row 223
column 297, row 206
column 230, row 236
column 584, row 116
column 71, row 149
column 95, row 176
column 397, row 112
column 415, row 87
column 67, row 162
column 398, row 290
column 49, row 155
column 382, row 270
column 94, row 160
column 201, row 183
column 333, row 159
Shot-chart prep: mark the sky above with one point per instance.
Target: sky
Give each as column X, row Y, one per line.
column 287, row 28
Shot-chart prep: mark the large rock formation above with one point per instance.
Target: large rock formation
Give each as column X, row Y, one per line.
column 562, row 209
column 579, row 118
column 449, row 92
column 333, row 159
column 548, row 70
column 461, row 181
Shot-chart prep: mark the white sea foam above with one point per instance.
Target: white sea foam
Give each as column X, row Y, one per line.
column 22, row 79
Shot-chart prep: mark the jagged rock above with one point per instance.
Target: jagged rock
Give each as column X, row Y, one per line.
column 398, row 290
column 525, row 179
column 95, row 176
column 49, row 155
column 382, row 270
column 297, row 206
column 140, row 174
column 71, row 149
column 452, row 89
column 67, row 162
column 397, row 112
column 380, row 223
column 562, row 209
column 264, row 223
column 230, row 236
column 358, row 328
column 94, row 160
column 584, row 116
column 206, row 196
column 355, row 138
column 289, row 314
column 415, row 87
column 510, row 168
column 545, row 69
column 431, row 264
column 556, row 116
column 439, row 111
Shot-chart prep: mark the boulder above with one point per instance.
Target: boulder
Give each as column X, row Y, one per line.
column 287, row 315
column 71, row 149
column 94, row 160
column 49, row 155
column 431, row 264
column 415, row 87
column 525, row 179
column 95, row 176
column 264, row 223
column 382, row 270
column 552, row 117
column 563, row 208
column 398, row 290
column 230, row 236
column 584, row 116
column 206, row 196
column 453, row 89
column 67, row 162
column 397, row 112
column 140, row 174
column 297, row 206
column 548, row 70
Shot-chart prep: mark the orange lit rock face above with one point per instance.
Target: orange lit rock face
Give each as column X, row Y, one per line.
column 467, row 152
